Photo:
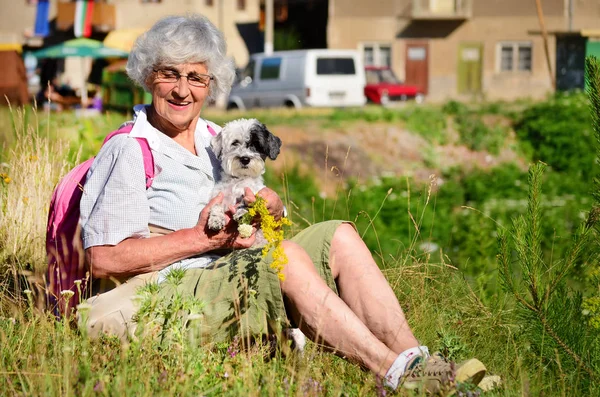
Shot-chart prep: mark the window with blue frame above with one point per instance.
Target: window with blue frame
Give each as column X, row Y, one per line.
column 270, row 69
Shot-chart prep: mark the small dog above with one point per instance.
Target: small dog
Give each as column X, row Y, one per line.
column 242, row 147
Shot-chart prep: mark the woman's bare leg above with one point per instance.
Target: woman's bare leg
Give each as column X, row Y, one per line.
column 365, row 290
column 323, row 316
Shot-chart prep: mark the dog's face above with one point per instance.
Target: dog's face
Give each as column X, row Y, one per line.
column 242, row 147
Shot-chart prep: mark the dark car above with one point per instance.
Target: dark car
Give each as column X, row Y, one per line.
column 384, row 87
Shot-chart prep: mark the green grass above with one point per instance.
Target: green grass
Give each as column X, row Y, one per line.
column 446, row 309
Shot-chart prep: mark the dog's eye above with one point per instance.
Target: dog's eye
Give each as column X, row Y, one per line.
column 236, row 143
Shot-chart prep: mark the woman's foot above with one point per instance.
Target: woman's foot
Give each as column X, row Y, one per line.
column 436, row 375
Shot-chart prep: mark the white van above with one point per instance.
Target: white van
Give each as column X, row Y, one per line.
column 322, row 77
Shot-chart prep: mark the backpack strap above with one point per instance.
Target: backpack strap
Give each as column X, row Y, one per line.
column 148, row 161
column 146, row 151
column 210, row 129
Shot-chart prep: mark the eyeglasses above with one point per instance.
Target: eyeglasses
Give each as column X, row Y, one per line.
column 173, row 76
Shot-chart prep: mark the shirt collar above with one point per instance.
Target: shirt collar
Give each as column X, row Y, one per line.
column 143, row 129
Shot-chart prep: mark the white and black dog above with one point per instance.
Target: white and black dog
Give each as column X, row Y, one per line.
column 242, row 147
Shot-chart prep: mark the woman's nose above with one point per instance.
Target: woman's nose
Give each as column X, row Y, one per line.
column 182, row 88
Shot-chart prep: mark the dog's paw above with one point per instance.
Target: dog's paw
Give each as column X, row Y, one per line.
column 239, row 214
column 297, row 337
column 216, row 219
column 216, row 224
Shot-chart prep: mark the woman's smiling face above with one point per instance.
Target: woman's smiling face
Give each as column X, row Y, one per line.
column 178, row 102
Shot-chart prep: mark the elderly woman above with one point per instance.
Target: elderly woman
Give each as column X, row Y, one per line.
column 332, row 290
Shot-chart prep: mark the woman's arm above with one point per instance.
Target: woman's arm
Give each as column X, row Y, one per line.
column 142, row 255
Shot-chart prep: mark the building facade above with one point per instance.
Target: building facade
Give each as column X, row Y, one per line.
column 460, row 49
column 18, row 19
column 467, row 49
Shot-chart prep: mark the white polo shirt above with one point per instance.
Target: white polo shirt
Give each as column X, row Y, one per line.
column 116, row 204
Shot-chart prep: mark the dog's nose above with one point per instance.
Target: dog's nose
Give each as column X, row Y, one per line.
column 245, row 160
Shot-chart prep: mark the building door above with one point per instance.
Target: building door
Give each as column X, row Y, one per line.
column 470, row 68
column 570, row 62
column 417, row 65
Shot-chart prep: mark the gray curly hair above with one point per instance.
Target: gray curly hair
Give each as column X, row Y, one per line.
column 174, row 40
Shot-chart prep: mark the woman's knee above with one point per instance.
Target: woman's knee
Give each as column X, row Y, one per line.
column 294, row 252
column 347, row 247
column 345, row 234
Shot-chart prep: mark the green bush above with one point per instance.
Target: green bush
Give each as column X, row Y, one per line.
column 453, row 107
column 476, row 135
column 428, row 122
column 559, row 132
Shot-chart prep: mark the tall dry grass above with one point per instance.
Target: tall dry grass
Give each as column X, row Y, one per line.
column 33, row 163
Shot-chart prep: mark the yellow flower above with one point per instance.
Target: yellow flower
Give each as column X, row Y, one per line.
column 7, row 179
column 273, row 233
column 26, row 200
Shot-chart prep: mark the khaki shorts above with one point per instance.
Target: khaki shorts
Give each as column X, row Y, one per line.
column 240, row 292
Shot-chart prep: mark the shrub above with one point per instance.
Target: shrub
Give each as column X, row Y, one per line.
column 559, row 132
column 476, row 135
column 453, row 107
column 428, row 122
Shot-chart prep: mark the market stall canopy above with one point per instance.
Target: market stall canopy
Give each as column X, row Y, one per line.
column 123, row 39
column 81, row 47
column 11, row 47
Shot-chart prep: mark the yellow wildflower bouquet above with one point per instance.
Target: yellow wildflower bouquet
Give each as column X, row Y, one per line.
column 272, row 231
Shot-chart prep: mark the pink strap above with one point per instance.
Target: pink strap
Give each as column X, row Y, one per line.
column 211, row 130
column 146, row 152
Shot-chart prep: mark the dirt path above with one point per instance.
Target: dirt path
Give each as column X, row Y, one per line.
column 367, row 150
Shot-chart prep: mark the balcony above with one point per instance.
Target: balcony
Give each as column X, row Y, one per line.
column 446, row 10
column 103, row 17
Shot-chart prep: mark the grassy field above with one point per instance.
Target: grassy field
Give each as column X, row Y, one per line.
column 549, row 348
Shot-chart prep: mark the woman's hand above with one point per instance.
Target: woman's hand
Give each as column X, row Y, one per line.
column 226, row 238
column 274, row 203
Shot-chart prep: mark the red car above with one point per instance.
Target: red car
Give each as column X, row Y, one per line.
column 384, row 87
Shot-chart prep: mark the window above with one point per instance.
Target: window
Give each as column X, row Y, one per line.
column 515, row 56
column 151, row 1
column 241, row 4
column 270, row 68
column 328, row 66
column 524, row 52
column 369, row 55
column 385, row 56
column 375, row 54
column 209, row 3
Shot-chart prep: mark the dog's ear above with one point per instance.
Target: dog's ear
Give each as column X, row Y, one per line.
column 266, row 143
column 216, row 144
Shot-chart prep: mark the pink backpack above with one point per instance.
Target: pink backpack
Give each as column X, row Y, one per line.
column 67, row 270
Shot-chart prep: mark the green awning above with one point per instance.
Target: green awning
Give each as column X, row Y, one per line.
column 81, row 47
